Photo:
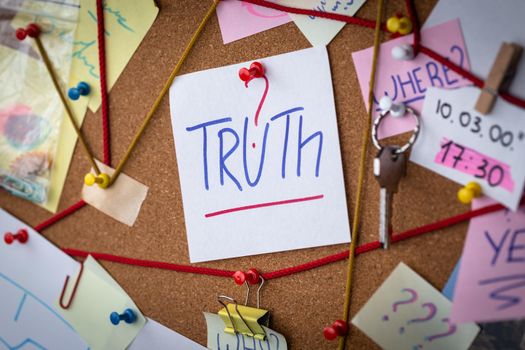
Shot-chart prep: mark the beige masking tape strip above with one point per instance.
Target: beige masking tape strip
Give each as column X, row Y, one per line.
column 121, row 201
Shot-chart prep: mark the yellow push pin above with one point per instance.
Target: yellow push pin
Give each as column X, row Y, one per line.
column 401, row 25
column 469, row 192
column 405, row 26
column 101, row 180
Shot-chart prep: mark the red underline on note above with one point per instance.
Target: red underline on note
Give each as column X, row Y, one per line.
column 262, row 205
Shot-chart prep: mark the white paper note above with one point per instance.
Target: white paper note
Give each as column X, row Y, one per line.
column 237, row 202
column 31, row 279
column 219, row 340
column 319, row 31
column 155, row 336
column 461, row 144
column 406, row 312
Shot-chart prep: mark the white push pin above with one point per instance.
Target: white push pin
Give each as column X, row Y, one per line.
column 396, row 109
column 403, row 52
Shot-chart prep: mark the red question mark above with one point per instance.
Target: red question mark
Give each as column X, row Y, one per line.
column 256, row 71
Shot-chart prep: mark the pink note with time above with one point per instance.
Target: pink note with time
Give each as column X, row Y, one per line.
column 408, row 81
column 471, row 162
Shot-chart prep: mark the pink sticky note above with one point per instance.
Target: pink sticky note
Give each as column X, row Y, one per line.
column 491, row 280
column 407, row 81
column 469, row 161
column 239, row 19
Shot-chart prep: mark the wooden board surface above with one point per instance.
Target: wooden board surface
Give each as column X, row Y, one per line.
column 302, row 304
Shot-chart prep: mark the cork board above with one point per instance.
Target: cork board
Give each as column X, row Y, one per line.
column 302, row 304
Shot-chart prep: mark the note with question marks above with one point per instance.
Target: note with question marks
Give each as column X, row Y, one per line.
column 463, row 145
column 259, row 161
column 406, row 312
column 407, row 81
column 238, row 19
column 319, row 31
column 492, row 268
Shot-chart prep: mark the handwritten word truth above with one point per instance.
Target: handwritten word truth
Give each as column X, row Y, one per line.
column 238, row 142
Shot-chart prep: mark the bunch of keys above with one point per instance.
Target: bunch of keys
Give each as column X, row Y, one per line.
column 389, row 167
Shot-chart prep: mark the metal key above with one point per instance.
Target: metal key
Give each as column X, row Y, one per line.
column 389, row 168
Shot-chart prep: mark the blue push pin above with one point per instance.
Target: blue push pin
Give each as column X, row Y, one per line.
column 128, row 316
column 82, row 89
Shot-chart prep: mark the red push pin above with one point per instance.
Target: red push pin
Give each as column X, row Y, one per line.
column 32, row 30
column 338, row 328
column 256, row 71
column 253, row 276
column 239, row 277
column 21, row 236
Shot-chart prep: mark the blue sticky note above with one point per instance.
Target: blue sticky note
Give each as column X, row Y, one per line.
column 448, row 290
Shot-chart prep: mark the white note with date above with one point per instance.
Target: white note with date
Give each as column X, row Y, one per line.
column 461, row 144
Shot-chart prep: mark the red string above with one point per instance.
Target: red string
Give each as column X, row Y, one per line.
column 437, row 57
column 520, row 102
column 150, row 263
column 59, row 216
column 103, row 81
column 364, row 248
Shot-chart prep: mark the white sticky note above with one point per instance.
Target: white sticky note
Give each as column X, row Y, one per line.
column 97, row 296
column 250, row 189
column 121, row 201
column 31, row 279
column 406, row 312
column 461, row 144
column 218, row 339
column 319, row 31
column 155, row 336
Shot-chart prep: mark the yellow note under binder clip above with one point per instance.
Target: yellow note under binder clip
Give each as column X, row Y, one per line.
column 243, row 319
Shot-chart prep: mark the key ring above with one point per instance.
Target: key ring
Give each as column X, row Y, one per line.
column 411, row 141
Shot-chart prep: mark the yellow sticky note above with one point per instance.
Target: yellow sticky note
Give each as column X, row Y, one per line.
column 97, row 296
column 406, row 312
column 121, row 201
column 126, row 24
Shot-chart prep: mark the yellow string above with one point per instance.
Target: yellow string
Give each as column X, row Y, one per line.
column 69, row 113
column 163, row 92
column 362, row 171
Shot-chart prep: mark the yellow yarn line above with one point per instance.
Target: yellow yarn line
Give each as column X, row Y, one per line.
column 362, row 171
column 69, row 113
column 163, row 92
